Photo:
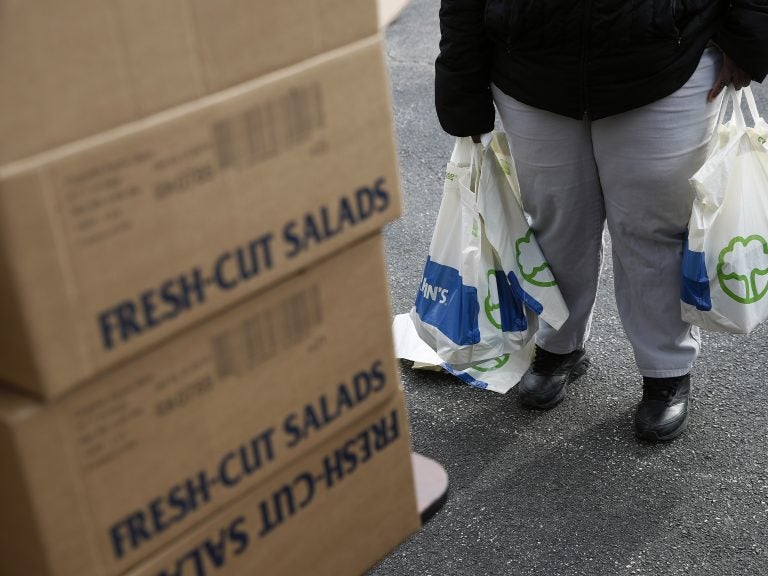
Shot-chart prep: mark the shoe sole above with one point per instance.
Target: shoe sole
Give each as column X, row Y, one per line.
column 578, row 370
column 653, row 436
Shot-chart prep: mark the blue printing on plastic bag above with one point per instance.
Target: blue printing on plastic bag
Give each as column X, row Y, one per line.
column 464, row 377
column 447, row 304
column 510, row 306
column 694, row 285
column 521, row 294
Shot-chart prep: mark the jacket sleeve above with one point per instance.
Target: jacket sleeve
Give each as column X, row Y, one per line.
column 462, row 71
column 743, row 35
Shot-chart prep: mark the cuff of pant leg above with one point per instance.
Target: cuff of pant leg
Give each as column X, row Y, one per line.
column 558, row 349
column 665, row 373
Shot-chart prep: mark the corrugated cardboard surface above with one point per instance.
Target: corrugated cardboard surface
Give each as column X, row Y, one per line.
column 337, row 512
column 109, row 246
column 161, row 443
column 75, row 68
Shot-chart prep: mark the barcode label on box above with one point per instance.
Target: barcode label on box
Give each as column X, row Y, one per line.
column 270, row 128
column 260, row 337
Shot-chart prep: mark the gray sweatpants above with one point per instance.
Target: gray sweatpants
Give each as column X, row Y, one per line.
column 631, row 170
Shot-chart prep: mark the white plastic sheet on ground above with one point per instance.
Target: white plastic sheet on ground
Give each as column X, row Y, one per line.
column 499, row 374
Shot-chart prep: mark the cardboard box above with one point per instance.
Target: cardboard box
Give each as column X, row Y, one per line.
column 337, row 512
column 110, row 473
column 112, row 245
column 72, row 69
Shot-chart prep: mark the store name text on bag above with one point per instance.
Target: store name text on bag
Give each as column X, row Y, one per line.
column 434, row 292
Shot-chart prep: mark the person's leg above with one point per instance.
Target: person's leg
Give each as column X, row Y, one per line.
column 561, row 193
column 645, row 158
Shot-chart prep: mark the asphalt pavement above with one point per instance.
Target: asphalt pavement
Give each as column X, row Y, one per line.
column 569, row 491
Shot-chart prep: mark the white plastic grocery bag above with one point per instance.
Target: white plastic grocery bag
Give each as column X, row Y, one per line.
column 725, row 258
column 508, row 231
column 497, row 374
column 465, row 308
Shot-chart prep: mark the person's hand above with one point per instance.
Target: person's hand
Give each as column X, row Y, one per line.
column 729, row 74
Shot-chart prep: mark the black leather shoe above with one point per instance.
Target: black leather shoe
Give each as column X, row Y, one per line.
column 663, row 412
column 543, row 384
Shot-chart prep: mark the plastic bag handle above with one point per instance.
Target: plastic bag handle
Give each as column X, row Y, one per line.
column 751, row 104
column 475, row 165
column 503, row 155
column 732, row 96
column 467, row 154
column 727, row 98
column 462, row 152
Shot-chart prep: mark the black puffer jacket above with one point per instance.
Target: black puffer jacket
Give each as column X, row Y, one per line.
column 583, row 57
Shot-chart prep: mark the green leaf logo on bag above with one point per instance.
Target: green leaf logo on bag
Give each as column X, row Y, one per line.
column 492, row 364
column 742, row 268
column 531, row 262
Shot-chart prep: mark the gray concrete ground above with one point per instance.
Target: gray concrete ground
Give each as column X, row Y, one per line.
column 569, row 492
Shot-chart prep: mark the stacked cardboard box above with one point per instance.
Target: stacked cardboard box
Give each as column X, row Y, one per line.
column 73, row 69
column 195, row 350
